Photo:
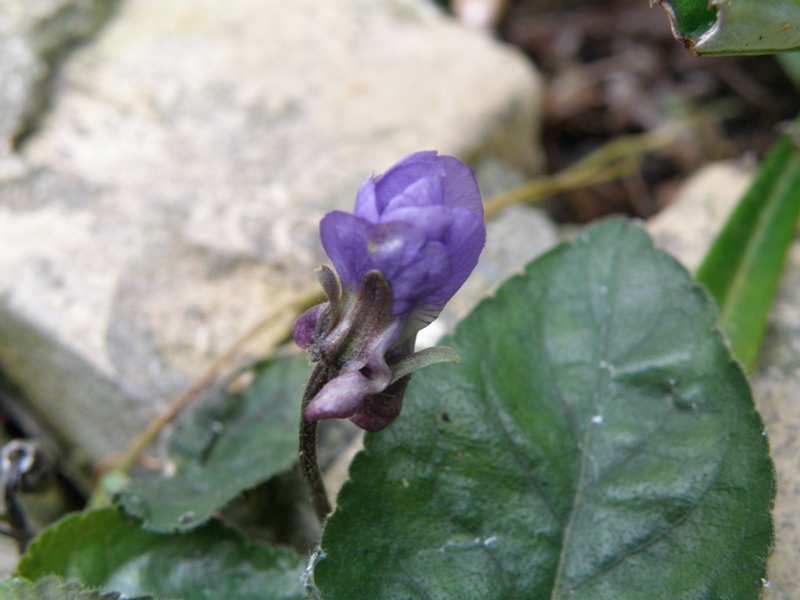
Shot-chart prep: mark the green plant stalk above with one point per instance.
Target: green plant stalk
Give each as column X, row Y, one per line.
column 612, row 161
column 744, row 264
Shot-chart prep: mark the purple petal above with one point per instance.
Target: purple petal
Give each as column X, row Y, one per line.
column 423, row 193
column 414, row 267
column 460, row 187
column 400, row 177
column 379, row 410
column 462, row 235
column 305, row 326
column 464, row 243
column 366, row 202
column 420, row 224
column 433, row 221
column 392, row 246
column 345, row 238
column 415, row 236
column 420, row 278
column 342, row 396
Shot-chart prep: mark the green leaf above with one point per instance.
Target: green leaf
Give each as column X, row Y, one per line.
column 790, row 61
column 690, row 18
column 107, row 550
column 224, row 449
column 735, row 26
column 597, row 441
column 53, row 588
column 743, row 266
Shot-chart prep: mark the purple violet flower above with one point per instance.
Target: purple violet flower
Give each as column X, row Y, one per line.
column 414, row 237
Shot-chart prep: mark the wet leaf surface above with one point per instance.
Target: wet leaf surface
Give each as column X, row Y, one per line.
column 596, row 441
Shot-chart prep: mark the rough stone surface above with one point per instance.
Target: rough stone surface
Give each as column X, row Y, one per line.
column 686, row 229
column 173, row 190
column 33, row 34
column 776, row 384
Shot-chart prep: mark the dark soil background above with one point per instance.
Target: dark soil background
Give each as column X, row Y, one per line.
column 612, row 67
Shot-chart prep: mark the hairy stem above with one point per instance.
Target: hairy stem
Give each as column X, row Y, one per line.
column 308, row 445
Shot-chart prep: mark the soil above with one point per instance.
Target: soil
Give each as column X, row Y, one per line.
column 612, row 67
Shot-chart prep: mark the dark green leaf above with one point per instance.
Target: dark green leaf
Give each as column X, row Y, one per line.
column 107, row 550
column 225, row 448
column 53, row 588
column 743, row 267
column 597, row 441
column 690, row 18
column 735, row 26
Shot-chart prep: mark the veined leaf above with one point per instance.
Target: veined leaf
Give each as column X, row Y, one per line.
column 597, row 441
column 225, row 448
column 105, row 549
column 743, row 266
column 735, row 26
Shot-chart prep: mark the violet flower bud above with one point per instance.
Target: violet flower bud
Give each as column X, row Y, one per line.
column 414, row 237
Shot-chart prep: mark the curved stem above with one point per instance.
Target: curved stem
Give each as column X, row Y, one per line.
column 308, row 445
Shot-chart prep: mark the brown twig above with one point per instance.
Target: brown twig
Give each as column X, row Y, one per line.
column 614, row 160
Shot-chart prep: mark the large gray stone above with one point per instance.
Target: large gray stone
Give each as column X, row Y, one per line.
column 34, row 35
column 173, row 192
column 687, row 229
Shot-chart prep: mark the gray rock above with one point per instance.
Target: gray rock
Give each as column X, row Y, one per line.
column 173, row 191
column 34, row 35
column 776, row 384
column 687, row 229
column 690, row 223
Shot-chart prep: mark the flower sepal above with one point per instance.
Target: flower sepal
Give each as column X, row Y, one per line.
column 361, row 349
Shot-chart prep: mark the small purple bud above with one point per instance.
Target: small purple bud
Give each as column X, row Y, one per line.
column 420, row 224
column 414, row 237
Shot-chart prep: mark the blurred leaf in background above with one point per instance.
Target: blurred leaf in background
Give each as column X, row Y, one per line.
column 228, row 445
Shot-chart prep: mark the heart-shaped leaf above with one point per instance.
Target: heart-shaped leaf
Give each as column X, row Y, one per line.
column 224, row 448
column 597, row 441
column 107, row 550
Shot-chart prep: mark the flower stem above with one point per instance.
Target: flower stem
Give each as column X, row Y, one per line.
column 308, row 445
